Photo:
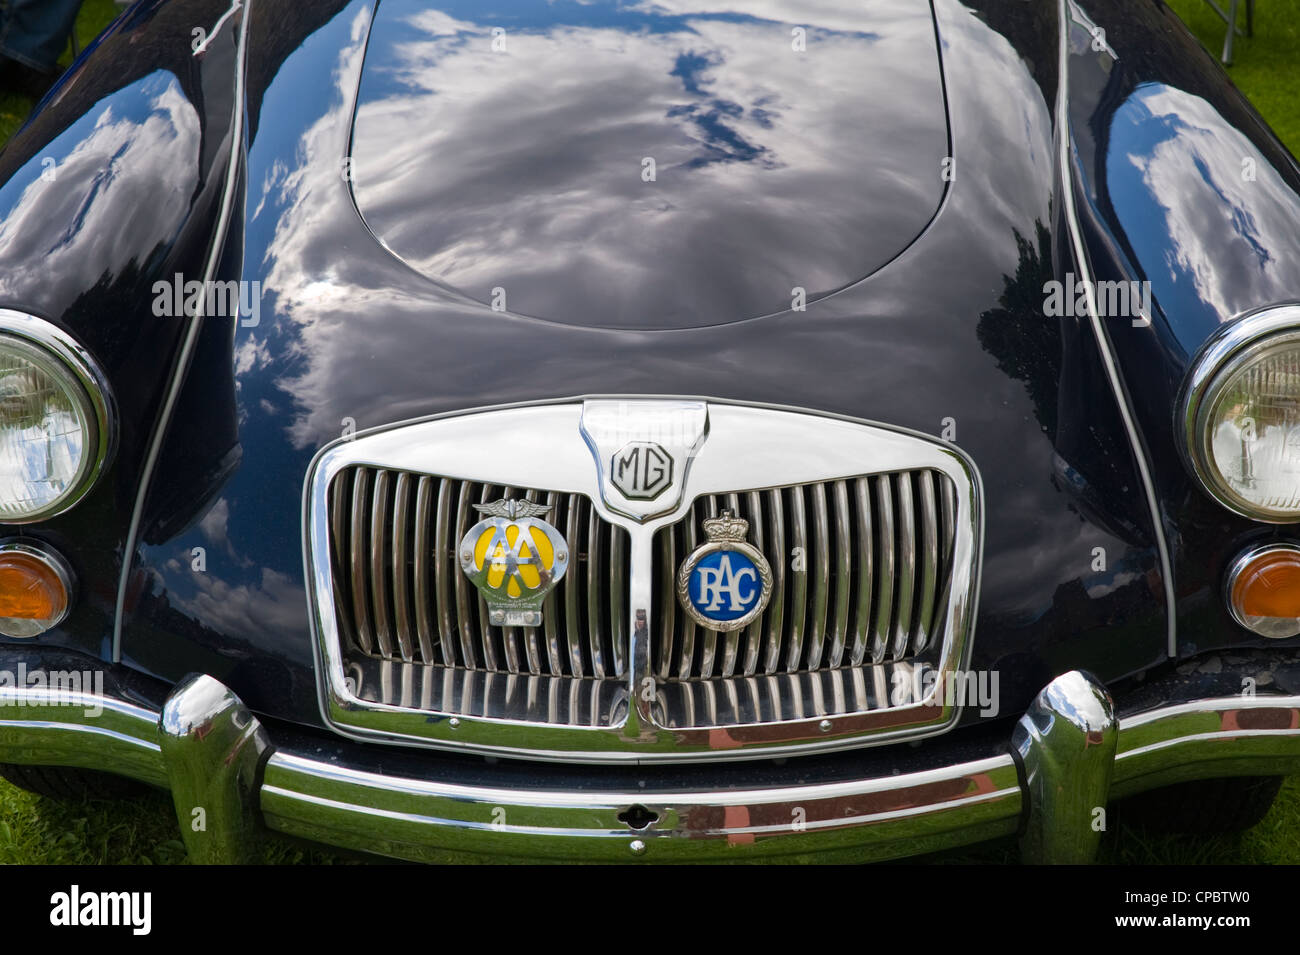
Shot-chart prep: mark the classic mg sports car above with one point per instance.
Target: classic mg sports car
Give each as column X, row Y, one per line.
column 663, row 431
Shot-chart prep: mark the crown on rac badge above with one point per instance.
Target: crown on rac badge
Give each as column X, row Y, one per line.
column 726, row 527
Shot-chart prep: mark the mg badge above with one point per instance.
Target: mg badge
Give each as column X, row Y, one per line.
column 514, row 559
column 725, row 582
column 641, row 471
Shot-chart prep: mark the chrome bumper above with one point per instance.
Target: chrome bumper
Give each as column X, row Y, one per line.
column 1067, row 757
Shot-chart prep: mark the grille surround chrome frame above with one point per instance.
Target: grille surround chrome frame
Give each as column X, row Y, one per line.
column 541, row 445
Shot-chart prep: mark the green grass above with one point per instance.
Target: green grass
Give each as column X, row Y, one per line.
column 141, row 830
column 144, row 830
column 1275, row 841
column 1266, row 66
column 94, row 16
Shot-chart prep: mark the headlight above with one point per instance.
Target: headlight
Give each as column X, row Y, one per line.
column 54, row 420
column 1241, row 414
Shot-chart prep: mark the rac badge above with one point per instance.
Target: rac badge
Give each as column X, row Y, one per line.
column 725, row 583
column 514, row 559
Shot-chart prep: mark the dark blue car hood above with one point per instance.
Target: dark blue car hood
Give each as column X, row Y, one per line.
column 628, row 166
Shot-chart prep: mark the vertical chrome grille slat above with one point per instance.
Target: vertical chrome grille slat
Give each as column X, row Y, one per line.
column 572, row 628
column 798, row 578
column 668, row 604
column 340, row 521
column 731, row 639
column 487, row 641
column 708, row 638
column 446, row 565
column 866, row 551
column 357, row 559
column 532, row 646
column 843, row 574
column 401, row 557
column 776, row 606
column 550, row 631
column 617, row 590
column 509, row 635
column 906, row 571
column 885, row 577
column 594, row 618
column 380, row 584
column 466, row 596
column 929, row 575
column 426, row 550
column 754, row 632
column 820, row 571
column 686, row 653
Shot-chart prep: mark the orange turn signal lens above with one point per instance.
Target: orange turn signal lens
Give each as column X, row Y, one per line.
column 34, row 590
column 1264, row 590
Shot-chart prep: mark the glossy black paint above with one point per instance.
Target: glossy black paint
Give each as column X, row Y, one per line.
column 601, row 164
column 1184, row 186
column 947, row 338
column 111, row 185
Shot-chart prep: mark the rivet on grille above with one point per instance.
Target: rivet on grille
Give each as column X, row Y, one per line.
column 637, row 846
column 824, row 726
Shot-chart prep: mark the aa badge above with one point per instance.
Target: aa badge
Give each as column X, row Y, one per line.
column 515, row 559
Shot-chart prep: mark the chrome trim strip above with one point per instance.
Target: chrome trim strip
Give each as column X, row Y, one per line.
column 546, row 450
column 1065, row 144
column 191, row 334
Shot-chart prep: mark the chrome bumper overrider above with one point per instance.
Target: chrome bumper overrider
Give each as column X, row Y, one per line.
column 1067, row 757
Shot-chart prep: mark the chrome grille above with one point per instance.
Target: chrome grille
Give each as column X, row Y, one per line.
column 861, row 570
column 401, row 596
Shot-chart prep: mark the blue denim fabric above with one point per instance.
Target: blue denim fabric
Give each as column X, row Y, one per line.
column 35, row 32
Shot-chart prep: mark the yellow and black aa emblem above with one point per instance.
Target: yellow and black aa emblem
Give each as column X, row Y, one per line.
column 514, row 558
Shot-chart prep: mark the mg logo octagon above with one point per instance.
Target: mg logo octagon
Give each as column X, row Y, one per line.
column 641, row 471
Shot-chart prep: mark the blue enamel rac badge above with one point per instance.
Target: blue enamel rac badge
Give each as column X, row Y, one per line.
column 725, row 583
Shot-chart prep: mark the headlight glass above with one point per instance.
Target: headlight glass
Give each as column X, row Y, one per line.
column 49, row 432
column 1243, row 418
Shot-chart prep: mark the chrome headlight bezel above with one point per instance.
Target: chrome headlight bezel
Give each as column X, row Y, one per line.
column 93, row 394
column 1231, row 348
